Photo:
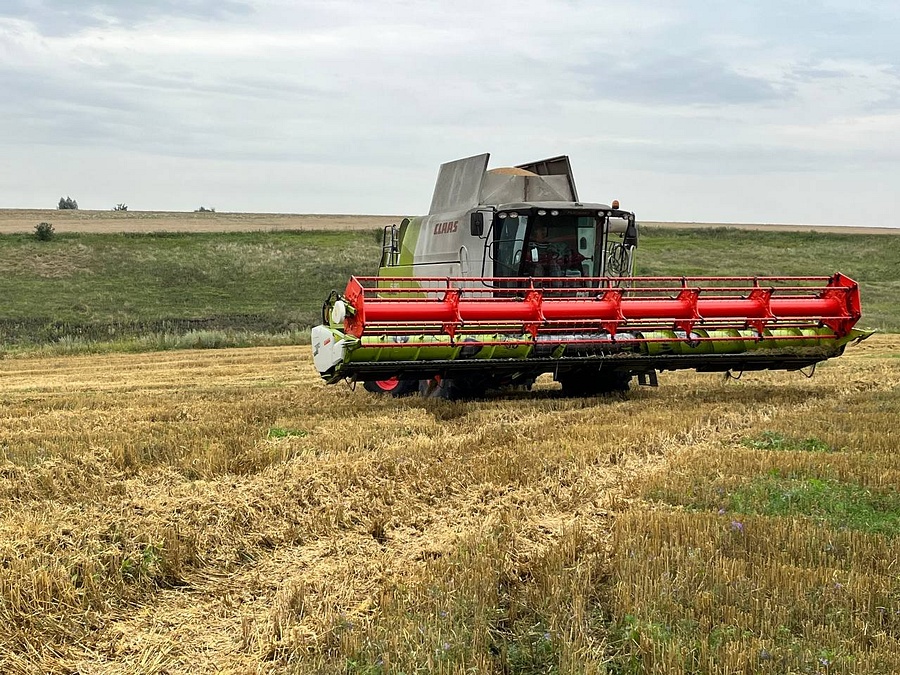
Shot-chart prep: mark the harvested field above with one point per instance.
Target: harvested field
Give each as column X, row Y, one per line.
column 105, row 222
column 224, row 511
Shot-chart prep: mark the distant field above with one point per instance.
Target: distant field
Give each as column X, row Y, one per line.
column 105, row 222
column 159, row 290
column 83, row 288
column 99, row 222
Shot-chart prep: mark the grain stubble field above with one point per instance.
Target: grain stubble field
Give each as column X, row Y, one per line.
column 224, row 511
column 104, row 222
column 260, row 515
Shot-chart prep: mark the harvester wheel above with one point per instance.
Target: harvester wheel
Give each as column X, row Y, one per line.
column 452, row 389
column 593, row 383
column 392, row 386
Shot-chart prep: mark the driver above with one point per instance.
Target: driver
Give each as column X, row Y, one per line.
column 548, row 258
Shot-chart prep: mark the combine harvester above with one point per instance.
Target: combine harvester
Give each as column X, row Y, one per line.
column 510, row 276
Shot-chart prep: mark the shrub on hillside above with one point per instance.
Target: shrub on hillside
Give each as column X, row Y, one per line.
column 43, row 231
column 203, row 209
column 67, row 203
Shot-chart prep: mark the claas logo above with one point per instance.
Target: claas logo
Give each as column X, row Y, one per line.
column 446, row 227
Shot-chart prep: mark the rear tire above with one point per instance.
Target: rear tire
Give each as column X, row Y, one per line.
column 593, row 383
column 392, row 386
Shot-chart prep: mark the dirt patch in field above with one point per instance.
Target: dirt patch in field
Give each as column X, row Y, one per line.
column 99, row 222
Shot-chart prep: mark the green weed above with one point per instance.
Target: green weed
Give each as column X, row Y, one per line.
column 772, row 440
column 280, row 432
column 839, row 504
column 146, row 565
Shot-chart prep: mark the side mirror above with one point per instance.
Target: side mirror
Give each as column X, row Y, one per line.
column 476, row 224
column 631, row 234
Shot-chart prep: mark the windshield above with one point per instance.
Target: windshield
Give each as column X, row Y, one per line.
column 543, row 245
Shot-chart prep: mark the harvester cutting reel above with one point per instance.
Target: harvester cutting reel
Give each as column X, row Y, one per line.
column 458, row 337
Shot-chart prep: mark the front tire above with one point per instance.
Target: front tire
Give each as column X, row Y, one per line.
column 392, row 386
column 593, row 383
column 452, row 388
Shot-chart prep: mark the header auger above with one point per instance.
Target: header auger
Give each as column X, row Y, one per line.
column 510, row 276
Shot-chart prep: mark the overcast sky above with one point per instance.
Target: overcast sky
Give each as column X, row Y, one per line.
column 771, row 111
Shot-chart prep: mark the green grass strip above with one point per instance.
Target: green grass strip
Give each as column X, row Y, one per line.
column 772, row 440
column 838, row 504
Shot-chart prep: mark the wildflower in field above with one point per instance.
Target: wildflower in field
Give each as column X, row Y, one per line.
column 737, row 526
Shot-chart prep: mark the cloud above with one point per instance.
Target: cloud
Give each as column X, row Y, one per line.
column 319, row 91
column 65, row 17
column 678, row 80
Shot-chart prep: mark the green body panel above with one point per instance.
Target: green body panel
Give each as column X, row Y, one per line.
column 434, row 348
column 415, row 348
column 407, row 348
column 725, row 342
column 409, row 239
column 398, row 271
